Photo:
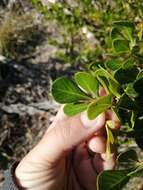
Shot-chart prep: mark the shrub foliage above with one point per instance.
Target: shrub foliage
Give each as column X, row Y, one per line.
column 106, row 38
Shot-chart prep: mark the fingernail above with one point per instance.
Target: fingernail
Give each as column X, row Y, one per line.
column 96, row 123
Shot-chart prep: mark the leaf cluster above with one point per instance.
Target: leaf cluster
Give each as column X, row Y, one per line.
column 113, row 62
column 121, row 77
column 83, row 26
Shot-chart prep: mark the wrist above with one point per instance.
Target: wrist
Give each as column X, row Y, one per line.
column 31, row 176
column 34, row 175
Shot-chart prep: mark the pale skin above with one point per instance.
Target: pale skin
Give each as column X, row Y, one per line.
column 69, row 156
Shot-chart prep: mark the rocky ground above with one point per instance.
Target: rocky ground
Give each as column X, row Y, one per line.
column 26, row 106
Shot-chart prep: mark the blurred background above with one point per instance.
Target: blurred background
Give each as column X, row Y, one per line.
column 39, row 41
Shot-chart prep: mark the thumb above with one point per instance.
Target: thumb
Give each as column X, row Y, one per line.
column 64, row 134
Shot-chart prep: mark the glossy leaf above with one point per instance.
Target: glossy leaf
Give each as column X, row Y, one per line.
column 87, row 82
column 126, row 29
column 113, row 64
column 110, row 124
column 130, row 91
column 115, row 34
column 129, row 63
column 133, row 118
column 121, row 46
column 98, row 106
column 138, row 131
column 138, row 86
column 74, row 108
column 112, row 180
column 128, row 158
column 124, row 76
column 138, row 172
column 125, row 102
column 66, row 91
column 124, row 23
column 110, row 139
column 108, row 82
column 140, row 75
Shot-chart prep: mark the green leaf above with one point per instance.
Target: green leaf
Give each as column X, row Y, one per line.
column 102, row 79
column 114, row 88
column 140, row 75
column 113, row 64
column 140, row 30
column 110, row 138
column 128, row 158
column 138, row 86
column 138, row 130
column 66, row 91
column 112, row 180
column 100, row 105
column 74, row 108
column 110, row 124
column 125, row 28
column 130, row 91
column 133, row 119
column 124, row 23
column 129, row 63
column 138, row 172
column 121, row 46
column 87, row 82
column 124, row 76
column 122, row 114
column 125, row 102
column 108, row 82
column 115, row 34
column 108, row 148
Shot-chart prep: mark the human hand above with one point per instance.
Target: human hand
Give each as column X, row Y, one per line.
column 62, row 159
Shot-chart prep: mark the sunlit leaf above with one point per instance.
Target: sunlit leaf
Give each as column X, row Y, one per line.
column 65, row 90
column 87, row 82
column 130, row 91
column 108, row 81
column 110, row 138
column 114, row 64
column 74, row 108
column 110, row 124
column 98, row 106
column 121, row 46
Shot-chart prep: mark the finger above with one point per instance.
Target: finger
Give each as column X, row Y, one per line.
column 67, row 133
column 83, row 168
column 81, row 153
column 102, row 92
column 101, row 162
column 97, row 144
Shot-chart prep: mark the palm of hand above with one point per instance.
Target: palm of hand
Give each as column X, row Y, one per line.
column 82, row 167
